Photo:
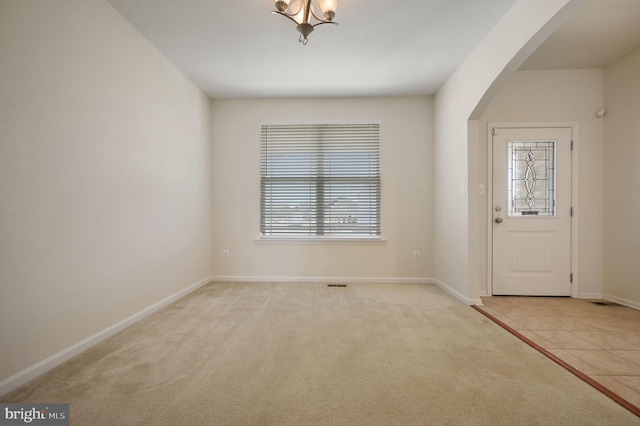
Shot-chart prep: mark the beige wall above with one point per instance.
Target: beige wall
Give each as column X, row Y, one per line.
column 407, row 199
column 622, row 180
column 105, row 199
column 567, row 96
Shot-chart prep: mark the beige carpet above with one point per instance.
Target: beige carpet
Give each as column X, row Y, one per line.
column 308, row 354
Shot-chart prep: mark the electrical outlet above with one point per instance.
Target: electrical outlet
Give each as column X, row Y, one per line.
column 416, row 254
column 226, row 254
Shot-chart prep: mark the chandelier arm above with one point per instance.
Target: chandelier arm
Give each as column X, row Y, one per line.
column 299, row 9
column 325, row 22
column 286, row 15
column 316, row 16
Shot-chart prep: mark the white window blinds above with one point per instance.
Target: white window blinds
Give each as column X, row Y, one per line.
column 320, row 180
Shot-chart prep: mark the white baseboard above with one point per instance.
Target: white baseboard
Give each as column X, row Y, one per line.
column 330, row 280
column 53, row 361
column 621, row 301
column 595, row 296
column 461, row 297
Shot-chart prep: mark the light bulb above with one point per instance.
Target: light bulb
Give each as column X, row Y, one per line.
column 329, row 6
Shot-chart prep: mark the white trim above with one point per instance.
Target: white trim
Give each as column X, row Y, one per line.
column 573, row 125
column 596, row 296
column 330, row 280
column 622, row 301
column 489, row 206
column 318, row 122
column 461, row 297
column 575, row 219
column 53, row 361
column 320, row 240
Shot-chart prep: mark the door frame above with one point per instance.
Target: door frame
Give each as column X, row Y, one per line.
column 575, row 284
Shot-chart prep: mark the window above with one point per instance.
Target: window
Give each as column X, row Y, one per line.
column 320, row 180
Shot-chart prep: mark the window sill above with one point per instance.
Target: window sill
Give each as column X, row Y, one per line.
column 320, row 240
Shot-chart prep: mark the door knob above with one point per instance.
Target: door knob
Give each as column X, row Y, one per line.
column 499, row 220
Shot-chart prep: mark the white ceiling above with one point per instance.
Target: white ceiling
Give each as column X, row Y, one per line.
column 237, row 49
column 381, row 48
column 598, row 34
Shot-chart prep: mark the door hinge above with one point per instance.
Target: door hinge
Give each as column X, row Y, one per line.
column 571, row 145
column 571, row 278
column 493, row 131
column 571, row 211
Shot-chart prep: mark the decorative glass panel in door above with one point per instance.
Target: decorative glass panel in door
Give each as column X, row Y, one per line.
column 531, row 179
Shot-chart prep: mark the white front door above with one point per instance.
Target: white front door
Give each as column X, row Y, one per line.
column 532, row 211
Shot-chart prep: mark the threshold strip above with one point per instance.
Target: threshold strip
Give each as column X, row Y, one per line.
column 614, row 396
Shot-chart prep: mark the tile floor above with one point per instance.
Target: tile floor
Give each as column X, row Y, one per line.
column 601, row 341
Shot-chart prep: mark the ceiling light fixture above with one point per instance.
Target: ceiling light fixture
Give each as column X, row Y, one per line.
column 301, row 12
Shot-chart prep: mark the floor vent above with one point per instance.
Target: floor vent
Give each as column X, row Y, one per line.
column 336, row 285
